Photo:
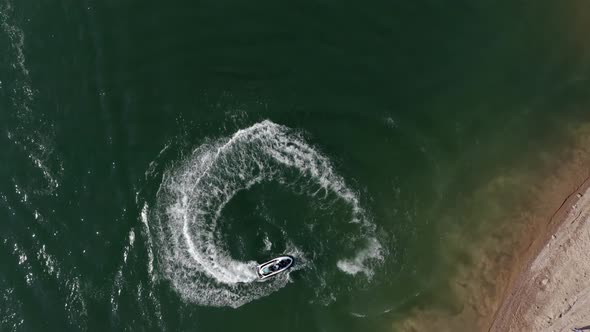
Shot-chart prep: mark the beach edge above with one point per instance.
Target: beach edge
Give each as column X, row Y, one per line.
column 550, row 291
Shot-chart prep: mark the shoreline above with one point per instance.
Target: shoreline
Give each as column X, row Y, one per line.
column 547, row 282
column 545, row 214
column 486, row 290
column 549, row 291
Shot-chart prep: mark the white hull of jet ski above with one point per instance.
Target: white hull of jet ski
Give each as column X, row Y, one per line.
column 274, row 266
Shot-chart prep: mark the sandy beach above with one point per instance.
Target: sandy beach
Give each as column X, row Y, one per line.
column 552, row 293
column 549, row 289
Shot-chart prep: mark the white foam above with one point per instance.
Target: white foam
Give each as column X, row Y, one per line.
column 358, row 264
column 119, row 281
column 391, row 122
column 193, row 194
column 144, row 219
column 267, row 243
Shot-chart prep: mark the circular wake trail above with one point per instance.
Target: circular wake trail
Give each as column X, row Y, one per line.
column 193, row 194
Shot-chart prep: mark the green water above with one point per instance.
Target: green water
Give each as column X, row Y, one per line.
column 329, row 130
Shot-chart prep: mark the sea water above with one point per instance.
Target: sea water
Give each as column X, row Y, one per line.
column 153, row 154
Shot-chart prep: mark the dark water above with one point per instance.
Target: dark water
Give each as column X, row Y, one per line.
column 152, row 153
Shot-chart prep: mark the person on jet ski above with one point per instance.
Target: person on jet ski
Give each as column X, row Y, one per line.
column 280, row 265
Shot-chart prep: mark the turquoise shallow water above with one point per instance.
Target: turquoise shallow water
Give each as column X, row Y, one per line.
column 152, row 153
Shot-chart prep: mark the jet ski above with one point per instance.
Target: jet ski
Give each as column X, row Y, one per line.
column 275, row 266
